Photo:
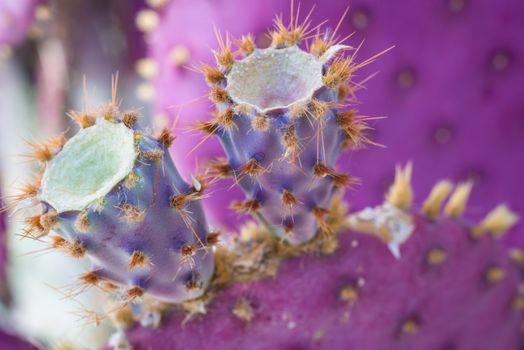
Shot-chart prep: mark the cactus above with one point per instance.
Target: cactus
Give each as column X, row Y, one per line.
column 454, row 285
column 384, row 277
column 113, row 194
column 282, row 119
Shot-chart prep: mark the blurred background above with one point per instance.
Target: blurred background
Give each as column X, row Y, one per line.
column 452, row 92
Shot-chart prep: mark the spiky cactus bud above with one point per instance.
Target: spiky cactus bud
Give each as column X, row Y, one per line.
column 281, row 118
column 113, row 194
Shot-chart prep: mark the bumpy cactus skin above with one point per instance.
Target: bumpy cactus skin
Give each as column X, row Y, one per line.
column 454, row 287
column 279, row 121
column 144, row 230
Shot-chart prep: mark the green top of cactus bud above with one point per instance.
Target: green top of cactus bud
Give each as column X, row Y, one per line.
column 275, row 78
column 89, row 166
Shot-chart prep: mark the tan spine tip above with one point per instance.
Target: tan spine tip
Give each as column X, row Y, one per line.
column 247, row 45
column 457, row 203
column 497, row 222
column 400, row 194
column 438, row 194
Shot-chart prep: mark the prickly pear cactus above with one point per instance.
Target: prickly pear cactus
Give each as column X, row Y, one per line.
column 452, row 285
column 112, row 194
column 281, row 120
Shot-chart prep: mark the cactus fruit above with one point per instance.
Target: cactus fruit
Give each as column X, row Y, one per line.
column 113, row 194
column 282, row 119
column 453, row 287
